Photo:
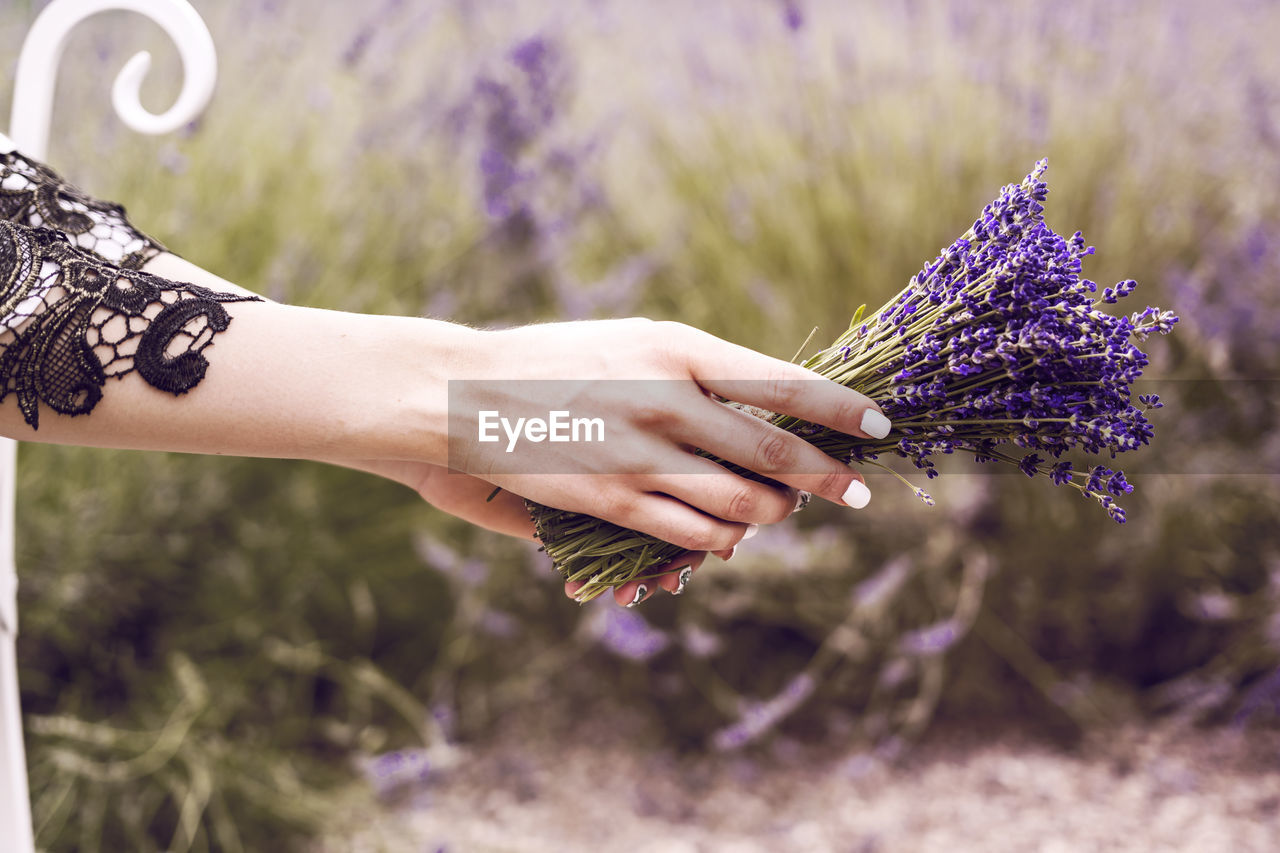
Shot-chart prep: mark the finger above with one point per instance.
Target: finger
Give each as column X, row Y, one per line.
column 720, row 492
column 632, row 593
column 726, row 555
column 676, row 574
column 784, row 388
column 669, row 519
column 666, row 576
column 759, row 446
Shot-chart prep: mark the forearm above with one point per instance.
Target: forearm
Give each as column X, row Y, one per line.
column 285, row 381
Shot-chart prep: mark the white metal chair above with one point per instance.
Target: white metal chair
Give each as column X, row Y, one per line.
column 29, row 132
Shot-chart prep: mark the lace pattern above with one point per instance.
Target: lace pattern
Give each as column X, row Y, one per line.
column 70, row 320
column 32, row 194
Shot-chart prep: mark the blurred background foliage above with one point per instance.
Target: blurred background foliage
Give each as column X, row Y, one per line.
column 214, row 649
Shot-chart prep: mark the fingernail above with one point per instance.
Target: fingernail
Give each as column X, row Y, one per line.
column 857, row 495
column 732, row 551
column 875, row 424
column 685, row 574
column 640, row 591
column 752, row 530
column 802, row 501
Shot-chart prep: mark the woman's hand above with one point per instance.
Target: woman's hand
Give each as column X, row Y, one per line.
column 651, row 386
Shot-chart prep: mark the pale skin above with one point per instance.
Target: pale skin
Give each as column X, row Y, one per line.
column 370, row 392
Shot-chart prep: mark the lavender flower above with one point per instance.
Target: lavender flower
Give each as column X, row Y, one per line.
column 517, row 114
column 757, row 718
column 627, row 634
column 792, row 15
column 996, row 344
column 394, row 771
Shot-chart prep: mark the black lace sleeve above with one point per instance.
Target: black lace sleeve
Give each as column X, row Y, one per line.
column 70, row 321
column 32, row 194
column 75, row 307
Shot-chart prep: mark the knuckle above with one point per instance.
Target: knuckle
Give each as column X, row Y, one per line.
column 832, row 485
column 649, row 413
column 617, row 506
column 742, row 504
column 701, row 536
column 783, row 390
column 848, row 413
column 774, row 453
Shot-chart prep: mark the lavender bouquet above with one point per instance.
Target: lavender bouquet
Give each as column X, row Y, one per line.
column 997, row 344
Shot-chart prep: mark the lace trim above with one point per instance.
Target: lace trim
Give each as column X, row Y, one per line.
column 69, row 321
column 33, row 194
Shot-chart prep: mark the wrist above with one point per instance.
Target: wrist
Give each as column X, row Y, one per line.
column 401, row 373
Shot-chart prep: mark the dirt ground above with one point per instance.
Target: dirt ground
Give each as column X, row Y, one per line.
column 1145, row 787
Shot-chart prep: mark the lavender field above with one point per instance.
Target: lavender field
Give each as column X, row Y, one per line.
column 227, row 654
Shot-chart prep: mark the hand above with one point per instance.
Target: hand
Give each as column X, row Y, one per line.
column 460, row 495
column 640, row 476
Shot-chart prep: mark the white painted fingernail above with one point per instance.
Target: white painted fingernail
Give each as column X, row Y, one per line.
column 685, row 574
column 752, row 530
column 875, row 424
column 732, row 551
column 640, row 591
column 857, row 495
column 802, row 501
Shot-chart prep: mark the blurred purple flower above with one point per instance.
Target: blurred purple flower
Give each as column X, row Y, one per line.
column 932, row 639
column 392, row 771
column 499, row 624
column 173, row 160
column 1265, row 692
column 792, row 15
column 1231, row 302
column 613, row 295
column 516, row 114
column 442, row 558
column 698, row 641
column 894, row 673
column 446, row 718
column 877, row 589
column 356, row 48
column 757, row 718
column 625, row 632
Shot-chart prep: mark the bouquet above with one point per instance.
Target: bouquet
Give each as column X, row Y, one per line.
column 997, row 349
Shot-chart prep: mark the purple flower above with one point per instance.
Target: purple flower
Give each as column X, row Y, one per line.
column 932, row 639
column 517, row 112
column 396, row 770
column 792, row 15
column 758, row 718
column 1000, row 341
column 626, row 633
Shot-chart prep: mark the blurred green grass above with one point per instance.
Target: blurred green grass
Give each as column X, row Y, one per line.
column 278, row 619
